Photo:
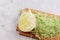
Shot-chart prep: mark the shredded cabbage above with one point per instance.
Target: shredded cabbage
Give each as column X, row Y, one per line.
column 47, row 26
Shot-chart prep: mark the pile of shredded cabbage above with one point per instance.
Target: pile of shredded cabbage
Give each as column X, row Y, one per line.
column 47, row 26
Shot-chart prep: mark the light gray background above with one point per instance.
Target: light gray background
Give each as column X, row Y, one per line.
column 10, row 10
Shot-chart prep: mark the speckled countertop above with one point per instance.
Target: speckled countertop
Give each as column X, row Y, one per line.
column 10, row 10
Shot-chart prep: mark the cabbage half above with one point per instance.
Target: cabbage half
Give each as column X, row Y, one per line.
column 47, row 26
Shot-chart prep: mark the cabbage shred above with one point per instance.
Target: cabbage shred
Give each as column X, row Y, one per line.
column 47, row 26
